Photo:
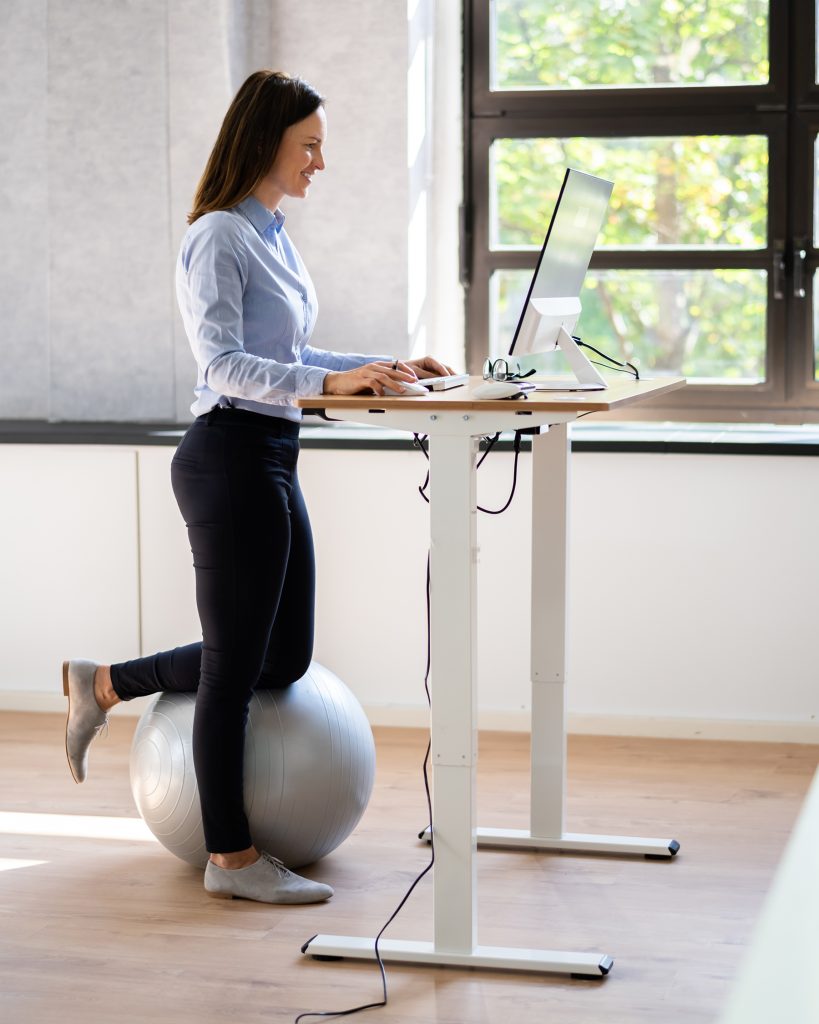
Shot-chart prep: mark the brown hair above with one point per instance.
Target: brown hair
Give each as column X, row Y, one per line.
column 266, row 105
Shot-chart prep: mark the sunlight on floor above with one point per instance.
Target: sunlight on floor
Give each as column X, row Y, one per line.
column 7, row 864
column 82, row 826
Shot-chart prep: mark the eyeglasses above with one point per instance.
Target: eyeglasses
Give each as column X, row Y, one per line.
column 498, row 369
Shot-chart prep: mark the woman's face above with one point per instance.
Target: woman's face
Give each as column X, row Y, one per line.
column 298, row 159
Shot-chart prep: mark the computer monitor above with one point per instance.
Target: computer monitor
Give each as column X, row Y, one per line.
column 552, row 303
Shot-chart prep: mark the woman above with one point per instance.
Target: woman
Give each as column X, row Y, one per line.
column 249, row 309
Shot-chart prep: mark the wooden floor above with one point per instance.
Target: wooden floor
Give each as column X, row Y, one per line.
column 112, row 929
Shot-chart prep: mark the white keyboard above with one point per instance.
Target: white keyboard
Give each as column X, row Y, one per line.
column 444, row 383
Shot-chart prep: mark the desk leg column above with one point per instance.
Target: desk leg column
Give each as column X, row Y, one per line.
column 550, row 601
column 453, row 530
column 551, row 489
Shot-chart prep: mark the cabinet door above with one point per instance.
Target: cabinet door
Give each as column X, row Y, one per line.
column 68, row 560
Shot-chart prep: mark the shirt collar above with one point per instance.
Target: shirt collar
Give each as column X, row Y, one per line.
column 260, row 217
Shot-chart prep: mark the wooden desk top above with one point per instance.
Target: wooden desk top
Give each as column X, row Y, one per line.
column 460, row 399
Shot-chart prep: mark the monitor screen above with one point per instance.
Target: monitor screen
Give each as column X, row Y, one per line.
column 564, row 259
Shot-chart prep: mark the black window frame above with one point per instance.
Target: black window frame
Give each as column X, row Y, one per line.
column 786, row 110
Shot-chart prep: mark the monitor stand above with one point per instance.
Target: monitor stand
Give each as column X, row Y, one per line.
column 587, row 376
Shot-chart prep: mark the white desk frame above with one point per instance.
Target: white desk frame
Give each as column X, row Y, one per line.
column 453, row 446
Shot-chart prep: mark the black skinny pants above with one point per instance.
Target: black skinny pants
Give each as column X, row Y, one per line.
column 235, row 480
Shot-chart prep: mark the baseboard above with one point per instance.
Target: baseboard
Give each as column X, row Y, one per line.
column 17, row 700
column 684, row 728
column 408, row 717
column 620, row 725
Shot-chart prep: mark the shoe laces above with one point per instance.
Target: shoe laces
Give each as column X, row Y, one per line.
column 98, row 728
column 277, row 864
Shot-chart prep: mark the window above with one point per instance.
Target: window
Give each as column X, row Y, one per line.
column 705, row 114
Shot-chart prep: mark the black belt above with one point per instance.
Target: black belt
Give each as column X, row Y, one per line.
column 275, row 425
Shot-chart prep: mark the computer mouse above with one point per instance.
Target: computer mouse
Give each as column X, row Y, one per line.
column 496, row 389
column 409, row 389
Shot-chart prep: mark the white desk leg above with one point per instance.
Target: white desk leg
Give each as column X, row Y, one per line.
column 551, row 487
column 454, row 746
column 453, row 555
column 551, row 467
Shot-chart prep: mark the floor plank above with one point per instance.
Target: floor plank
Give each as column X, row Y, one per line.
column 96, row 929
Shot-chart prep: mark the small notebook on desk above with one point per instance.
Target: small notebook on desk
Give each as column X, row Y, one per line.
column 567, row 384
column 454, row 380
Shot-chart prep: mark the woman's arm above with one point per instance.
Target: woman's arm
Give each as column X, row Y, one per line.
column 427, row 366
column 338, row 362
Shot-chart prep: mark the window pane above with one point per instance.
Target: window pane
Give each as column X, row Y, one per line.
column 707, row 191
column 815, row 191
column 575, row 44
column 706, row 325
column 815, row 328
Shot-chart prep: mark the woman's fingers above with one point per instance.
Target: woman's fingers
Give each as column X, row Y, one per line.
column 430, row 367
column 440, row 369
column 389, row 376
column 398, row 367
column 374, row 376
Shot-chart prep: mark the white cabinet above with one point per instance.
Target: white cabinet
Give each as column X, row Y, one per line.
column 69, row 566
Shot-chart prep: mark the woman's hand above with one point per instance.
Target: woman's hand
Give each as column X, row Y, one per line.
column 372, row 377
column 429, row 367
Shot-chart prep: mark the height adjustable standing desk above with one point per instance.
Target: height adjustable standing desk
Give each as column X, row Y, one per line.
column 454, row 421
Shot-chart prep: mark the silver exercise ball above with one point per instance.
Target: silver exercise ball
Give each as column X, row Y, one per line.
column 309, row 770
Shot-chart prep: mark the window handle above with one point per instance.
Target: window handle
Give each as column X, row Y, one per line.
column 800, row 255
column 779, row 270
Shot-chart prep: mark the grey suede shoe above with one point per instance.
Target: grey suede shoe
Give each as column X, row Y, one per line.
column 266, row 881
column 85, row 717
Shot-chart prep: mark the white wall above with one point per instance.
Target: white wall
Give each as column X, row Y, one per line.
column 109, row 112
column 352, row 231
column 695, row 583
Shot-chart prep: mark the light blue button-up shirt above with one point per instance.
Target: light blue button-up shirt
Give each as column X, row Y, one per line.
column 249, row 308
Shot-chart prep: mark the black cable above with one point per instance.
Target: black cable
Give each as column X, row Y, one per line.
column 422, row 490
column 391, row 918
column 616, row 369
column 427, row 869
column 497, row 512
column 584, row 344
column 490, row 444
column 418, row 441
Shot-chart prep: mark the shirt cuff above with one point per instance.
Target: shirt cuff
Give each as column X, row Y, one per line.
column 310, row 381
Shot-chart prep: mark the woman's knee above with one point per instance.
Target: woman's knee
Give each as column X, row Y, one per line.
column 285, row 669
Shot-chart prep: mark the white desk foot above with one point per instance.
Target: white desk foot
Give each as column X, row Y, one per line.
column 574, row 842
column 544, row 961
